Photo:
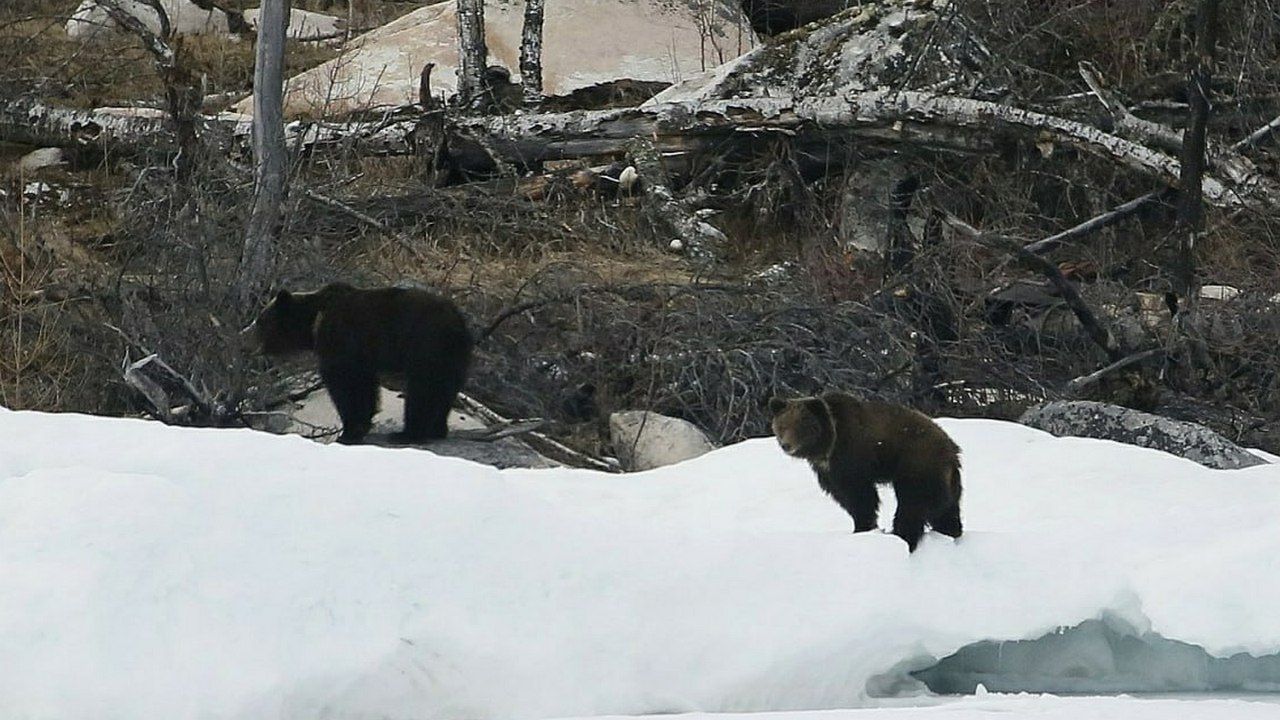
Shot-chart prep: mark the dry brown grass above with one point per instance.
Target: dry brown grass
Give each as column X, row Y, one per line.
column 37, row 366
column 117, row 70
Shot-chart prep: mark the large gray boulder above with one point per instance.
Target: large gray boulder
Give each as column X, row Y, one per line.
column 1079, row 418
column 646, row 440
column 91, row 21
column 41, row 159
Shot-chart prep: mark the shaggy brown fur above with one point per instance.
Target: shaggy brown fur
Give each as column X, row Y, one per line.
column 401, row 338
column 852, row 445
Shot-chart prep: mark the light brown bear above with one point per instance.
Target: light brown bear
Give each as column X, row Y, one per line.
column 853, row 444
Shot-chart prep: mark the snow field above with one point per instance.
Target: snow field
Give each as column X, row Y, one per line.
column 163, row 572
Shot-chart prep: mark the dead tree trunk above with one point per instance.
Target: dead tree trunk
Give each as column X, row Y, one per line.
column 473, row 54
column 531, row 53
column 271, row 169
column 1190, row 222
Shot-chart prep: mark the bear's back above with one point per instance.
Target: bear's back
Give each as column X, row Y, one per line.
column 394, row 327
column 884, row 438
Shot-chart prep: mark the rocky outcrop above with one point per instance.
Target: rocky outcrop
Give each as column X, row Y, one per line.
column 1111, row 422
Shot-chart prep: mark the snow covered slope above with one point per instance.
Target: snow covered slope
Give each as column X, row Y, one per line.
column 156, row 572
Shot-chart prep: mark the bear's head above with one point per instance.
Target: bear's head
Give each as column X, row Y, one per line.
column 284, row 325
column 803, row 426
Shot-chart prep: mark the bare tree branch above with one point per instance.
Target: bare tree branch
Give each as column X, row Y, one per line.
column 1257, row 136
column 1078, row 384
column 551, row 448
column 1127, row 124
column 155, row 44
column 182, row 96
column 1097, row 331
column 1106, row 219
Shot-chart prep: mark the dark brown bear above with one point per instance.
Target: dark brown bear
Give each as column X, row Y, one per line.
column 852, row 445
column 401, row 338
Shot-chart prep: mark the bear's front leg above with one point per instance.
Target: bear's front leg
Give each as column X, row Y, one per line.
column 866, row 506
column 857, row 496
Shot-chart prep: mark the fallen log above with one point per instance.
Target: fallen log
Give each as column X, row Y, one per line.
column 929, row 120
column 122, row 130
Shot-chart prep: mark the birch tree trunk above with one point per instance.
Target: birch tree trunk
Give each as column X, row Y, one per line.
column 531, row 53
column 257, row 259
column 472, row 54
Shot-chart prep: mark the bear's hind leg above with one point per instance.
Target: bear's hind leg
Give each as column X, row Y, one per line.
column 426, row 411
column 415, row 413
column 354, row 392
column 948, row 523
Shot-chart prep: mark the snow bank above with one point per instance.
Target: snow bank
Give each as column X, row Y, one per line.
column 162, row 572
column 1041, row 707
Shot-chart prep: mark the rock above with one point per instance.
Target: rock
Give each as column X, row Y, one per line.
column 185, row 18
column 864, row 206
column 42, row 158
column 586, row 43
column 1111, row 422
column 645, row 440
column 304, row 24
column 1219, row 292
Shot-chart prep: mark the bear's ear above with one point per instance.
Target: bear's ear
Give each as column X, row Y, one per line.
column 817, row 407
column 776, row 404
